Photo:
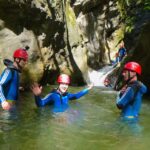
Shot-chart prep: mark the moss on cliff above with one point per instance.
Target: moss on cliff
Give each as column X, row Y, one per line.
column 70, row 16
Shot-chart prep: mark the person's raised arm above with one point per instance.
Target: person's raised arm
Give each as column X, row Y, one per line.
column 37, row 90
column 81, row 93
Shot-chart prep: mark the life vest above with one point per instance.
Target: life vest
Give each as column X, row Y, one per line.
column 135, row 86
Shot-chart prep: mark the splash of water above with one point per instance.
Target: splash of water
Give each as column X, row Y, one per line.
column 98, row 77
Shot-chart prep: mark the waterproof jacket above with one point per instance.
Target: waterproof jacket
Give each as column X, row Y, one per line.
column 9, row 82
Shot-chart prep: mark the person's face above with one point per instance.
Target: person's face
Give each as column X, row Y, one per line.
column 121, row 45
column 127, row 74
column 63, row 87
column 22, row 63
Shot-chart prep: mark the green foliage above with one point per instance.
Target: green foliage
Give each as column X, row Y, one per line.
column 125, row 5
column 129, row 29
column 129, row 10
column 70, row 15
column 147, row 5
column 130, row 24
column 121, row 8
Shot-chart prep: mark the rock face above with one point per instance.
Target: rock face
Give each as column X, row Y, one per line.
column 71, row 36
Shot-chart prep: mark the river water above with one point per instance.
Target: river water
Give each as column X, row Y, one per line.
column 91, row 123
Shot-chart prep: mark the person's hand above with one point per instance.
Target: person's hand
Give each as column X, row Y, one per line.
column 123, row 89
column 90, row 86
column 36, row 89
column 6, row 105
column 106, row 82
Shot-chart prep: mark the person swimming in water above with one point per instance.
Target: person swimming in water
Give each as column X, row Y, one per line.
column 59, row 97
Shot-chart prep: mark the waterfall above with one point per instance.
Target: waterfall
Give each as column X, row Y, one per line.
column 98, row 77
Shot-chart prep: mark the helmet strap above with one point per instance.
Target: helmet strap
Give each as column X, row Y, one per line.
column 129, row 77
column 18, row 63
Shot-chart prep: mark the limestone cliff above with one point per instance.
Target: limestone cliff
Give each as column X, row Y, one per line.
column 73, row 36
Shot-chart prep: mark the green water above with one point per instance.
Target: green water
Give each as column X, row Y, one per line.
column 91, row 123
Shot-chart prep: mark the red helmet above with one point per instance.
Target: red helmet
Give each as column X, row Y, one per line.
column 63, row 78
column 133, row 66
column 21, row 53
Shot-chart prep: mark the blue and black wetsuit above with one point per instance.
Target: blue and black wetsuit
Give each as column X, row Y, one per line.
column 130, row 101
column 9, row 83
column 60, row 102
column 122, row 52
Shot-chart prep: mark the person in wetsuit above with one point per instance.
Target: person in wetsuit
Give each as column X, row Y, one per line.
column 130, row 97
column 122, row 52
column 9, row 79
column 58, row 97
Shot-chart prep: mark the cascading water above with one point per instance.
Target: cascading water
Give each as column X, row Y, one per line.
column 98, row 77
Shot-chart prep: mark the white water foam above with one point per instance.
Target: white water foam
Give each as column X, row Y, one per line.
column 98, row 77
